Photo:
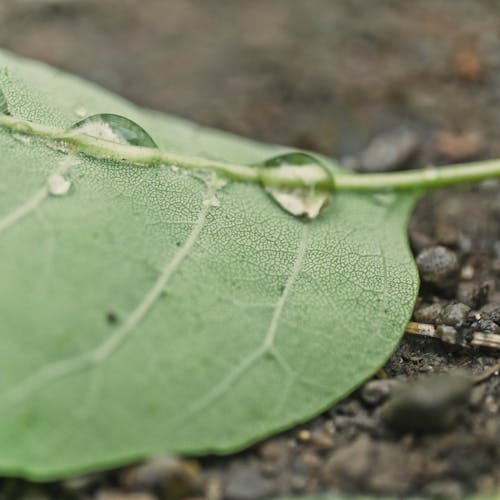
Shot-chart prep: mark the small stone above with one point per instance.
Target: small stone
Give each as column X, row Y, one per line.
column 486, row 326
column 460, row 147
column 428, row 313
column 454, row 314
column 178, row 477
column 427, row 405
column 491, row 311
column 298, row 483
column 468, row 64
column 246, row 482
column 438, row 266
column 447, row 334
column 350, row 464
column 444, row 490
column 321, row 439
column 311, row 460
column 389, row 151
column 472, row 294
column 81, row 483
column 304, row 435
column 274, row 451
column 467, row 272
column 375, row 392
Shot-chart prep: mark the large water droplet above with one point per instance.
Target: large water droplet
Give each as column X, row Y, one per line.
column 58, row 184
column 115, row 128
column 4, row 108
column 306, row 201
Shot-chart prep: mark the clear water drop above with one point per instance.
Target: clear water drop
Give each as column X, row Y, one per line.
column 58, row 184
column 114, row 128
column 306, row 201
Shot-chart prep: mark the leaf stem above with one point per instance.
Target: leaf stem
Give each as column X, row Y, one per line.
column 427, row 178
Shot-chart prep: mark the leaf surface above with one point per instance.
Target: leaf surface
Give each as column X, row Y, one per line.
column 151, row 310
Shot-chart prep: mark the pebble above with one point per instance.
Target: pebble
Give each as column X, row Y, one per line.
column 428, row 405
column 82, row 483
column 321, row 439
column 428, row 313
column 454, row 314
column 246, row 482
column 460, row 147
column 447, row 334
column 486, row 326
column 368, row 464
column 389, row 151
column 179, row 477
column 472, row 294
column 491, row 311
column 375, row 392
column 468, row 64
column 444, row 490
column 438, row 266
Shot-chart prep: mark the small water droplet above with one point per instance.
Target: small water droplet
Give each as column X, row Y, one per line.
column 58, row 184
column 114, row 128
column 304, row 201
column 81, row 111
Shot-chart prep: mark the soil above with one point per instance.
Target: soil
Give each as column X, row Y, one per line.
column 378, row 85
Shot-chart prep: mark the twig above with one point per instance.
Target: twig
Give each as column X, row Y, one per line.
column 451, row 336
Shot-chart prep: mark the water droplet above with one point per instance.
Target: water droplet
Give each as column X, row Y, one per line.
column 305, row 201
column 80, row 111
column 115, row 128
column 58, row 184
column 4, row 109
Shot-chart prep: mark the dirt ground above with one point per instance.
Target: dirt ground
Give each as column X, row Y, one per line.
column 380, row 86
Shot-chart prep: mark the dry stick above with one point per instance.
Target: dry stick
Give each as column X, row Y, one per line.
column 478, row 339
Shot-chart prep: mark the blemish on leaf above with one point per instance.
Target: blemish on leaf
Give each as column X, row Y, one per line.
column 111, row 317
column 59, row 184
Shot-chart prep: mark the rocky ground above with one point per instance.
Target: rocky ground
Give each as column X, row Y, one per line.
column 381, row 86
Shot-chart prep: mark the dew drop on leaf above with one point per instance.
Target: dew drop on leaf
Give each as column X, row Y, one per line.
column 305, row 201
column 58, row 184
column 115, row 128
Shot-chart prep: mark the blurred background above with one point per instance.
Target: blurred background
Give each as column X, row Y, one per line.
column 319, row 74
column 380, row 85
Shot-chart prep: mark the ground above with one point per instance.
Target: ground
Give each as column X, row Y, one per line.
column 378, row 85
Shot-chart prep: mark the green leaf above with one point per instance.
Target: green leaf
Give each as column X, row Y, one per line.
column 150, row 310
